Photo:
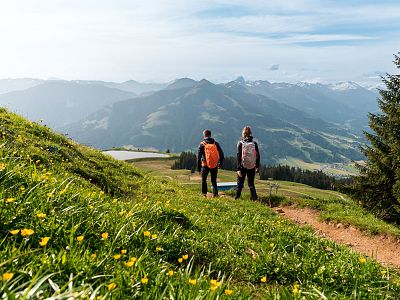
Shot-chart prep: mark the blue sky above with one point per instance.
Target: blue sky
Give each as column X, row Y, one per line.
column 298, row 40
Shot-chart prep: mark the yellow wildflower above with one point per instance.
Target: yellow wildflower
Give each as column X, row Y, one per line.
column 158, row 249
column 10, row 200
column 228, row 292
column 192, row 281
column 111, row 286
column 2, row 166
column 123, row 251
column 180, row 259
column 185, row 256
column 117, row 256
column 104, row 235
column 170, row 273
column 362, row 260
column 144, row 280
column 263, row 279
column 154, row 236
column 94, row 255
column 215, row 282
column 27, row 232
column 147, row 233
column 41, row 215
column 213, row 287
column 44, row 241
column 129, row 263
column 7, row 276
column 14, row 232
column 80, row 238
column 295, row 289
column 272, row 245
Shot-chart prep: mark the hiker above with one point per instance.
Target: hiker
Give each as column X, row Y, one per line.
column 209, row 159
column 248, row 162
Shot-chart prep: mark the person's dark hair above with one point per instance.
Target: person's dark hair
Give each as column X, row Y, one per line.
column 207, row 133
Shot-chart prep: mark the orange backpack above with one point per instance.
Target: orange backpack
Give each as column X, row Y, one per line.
column 212, row 155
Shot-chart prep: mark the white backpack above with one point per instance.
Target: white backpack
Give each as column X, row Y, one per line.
column 249, row 155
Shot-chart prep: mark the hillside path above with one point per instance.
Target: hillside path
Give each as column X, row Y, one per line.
column 384, row 249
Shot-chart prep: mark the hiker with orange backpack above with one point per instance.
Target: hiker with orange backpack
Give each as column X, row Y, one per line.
column 248, row 162
column 209, row 159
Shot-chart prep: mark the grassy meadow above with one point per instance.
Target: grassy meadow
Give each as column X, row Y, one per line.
column 78, row 224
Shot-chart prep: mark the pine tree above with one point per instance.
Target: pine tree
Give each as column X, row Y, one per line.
column 378, row 186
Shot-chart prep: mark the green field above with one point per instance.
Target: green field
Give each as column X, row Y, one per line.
column 78, row 224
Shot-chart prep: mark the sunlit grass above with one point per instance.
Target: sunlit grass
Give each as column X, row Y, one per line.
column 75, row 223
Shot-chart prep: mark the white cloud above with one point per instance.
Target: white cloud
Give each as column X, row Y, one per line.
column 162, row 40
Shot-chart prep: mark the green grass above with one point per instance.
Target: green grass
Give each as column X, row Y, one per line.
column 333, row 206
column 62, row 190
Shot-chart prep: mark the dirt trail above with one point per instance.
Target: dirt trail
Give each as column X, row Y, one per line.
column 383, row 249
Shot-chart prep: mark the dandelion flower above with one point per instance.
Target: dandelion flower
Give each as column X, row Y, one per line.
column 117, row 256
column 362, row 260
column 27, row 232
column 94, row 255
column 123, row 251
column 7, row 276
column 228, row 292
column 144, row 280
column 158, row 249
column 104, row 235
column 2, row 166
column 14, row 232
column 180, row 259
column 10, row 200
column 295, row 289
column 41, row 215
column 185, row 257
column 80, row 238
column 44, row 241
column 111, row 286
column 129, row 263
column 192, row 281
column 147, row 233
column 272, row 245
column 213, row 287
column 154, row 236
column 170, row 273
column 263, row 279
column 215, row 282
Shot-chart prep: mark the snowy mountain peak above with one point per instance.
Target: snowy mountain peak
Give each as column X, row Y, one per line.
column 343, row 86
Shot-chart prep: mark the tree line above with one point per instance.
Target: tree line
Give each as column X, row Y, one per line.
column 318, row 179
column 378, row 186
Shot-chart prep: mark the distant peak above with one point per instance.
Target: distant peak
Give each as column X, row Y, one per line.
column 130, row 81
column 348, row 85
column 240, row 80
column 182, row 83
column 204, row 82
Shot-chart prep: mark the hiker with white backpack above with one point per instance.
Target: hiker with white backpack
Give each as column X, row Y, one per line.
column 209, row 159
column 248, row 162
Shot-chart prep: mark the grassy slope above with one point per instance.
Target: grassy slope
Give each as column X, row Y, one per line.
column 83, row 193
column 334, row 206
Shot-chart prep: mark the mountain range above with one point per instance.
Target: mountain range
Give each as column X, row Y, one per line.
column 174, row 118
column 311, row 122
